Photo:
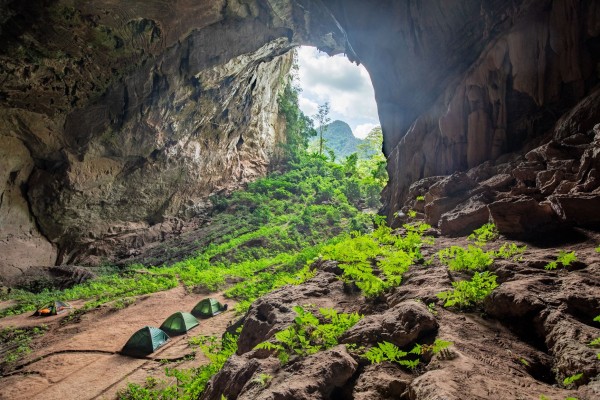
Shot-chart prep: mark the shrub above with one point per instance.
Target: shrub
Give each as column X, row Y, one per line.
column 484, row 234
column 564, row 258
column 471, row 259
column 307, row 335
column 469, row 293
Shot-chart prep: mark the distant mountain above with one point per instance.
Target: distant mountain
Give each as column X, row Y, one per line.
column 339, row 138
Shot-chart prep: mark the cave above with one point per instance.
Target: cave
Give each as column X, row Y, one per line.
column 119, row 121
column 88, row 127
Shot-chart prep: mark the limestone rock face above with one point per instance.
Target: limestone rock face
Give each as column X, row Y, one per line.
column 118, row 121
column 554, row 185
column 536, row 64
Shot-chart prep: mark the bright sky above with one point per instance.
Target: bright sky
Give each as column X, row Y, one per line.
column 346, row 86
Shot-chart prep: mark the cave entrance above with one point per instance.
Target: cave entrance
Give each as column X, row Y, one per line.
column 338, row 95
column 345, row 86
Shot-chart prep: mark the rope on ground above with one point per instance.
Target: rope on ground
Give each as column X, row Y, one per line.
column 40, row 358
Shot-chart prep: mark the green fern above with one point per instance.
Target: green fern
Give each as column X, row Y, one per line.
column 507, row 251
column 564, row 258
column 263, row 379
column 469, row 293
column 484, row 234
column 569, row 380
column 471, row 259
column 387, row 351
column 308, row 335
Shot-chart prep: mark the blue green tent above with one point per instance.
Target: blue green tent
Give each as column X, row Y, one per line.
column 179, row 323
column 145, row 341
column 208, row 308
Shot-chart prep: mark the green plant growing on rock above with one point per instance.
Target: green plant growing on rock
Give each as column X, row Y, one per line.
column 392, row 255
column 508, row 251
column 569, row 380
column 564, row 258
column 469, row 293
column 263, row 379
column 484, row 234
column 308, row 335
column 431, row 308
column 470, row 259
column 420, row 198
column 387, row 351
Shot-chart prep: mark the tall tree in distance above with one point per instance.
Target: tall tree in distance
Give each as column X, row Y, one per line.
column 322, row 117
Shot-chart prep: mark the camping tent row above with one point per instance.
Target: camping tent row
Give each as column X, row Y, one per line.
column 148, row 339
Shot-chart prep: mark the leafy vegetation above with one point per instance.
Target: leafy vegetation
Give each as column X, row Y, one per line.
column 386, row 351
column 564, row 258
column 469, row 293
column 308, row 335
column 471, row 259
column 569, row 380
column 376, row 261
column 508, row 251
column 280, row 223
column 15, row 342
column 97, row 291
column 484, row 234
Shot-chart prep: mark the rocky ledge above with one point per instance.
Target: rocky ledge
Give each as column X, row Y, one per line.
column 530, row 333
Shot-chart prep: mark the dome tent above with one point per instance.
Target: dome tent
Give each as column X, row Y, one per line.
column 145, row 341
column 179, row 323
column 54, row 308
column 208, row 308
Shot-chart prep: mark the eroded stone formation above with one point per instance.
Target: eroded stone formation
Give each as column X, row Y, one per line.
column 119, row 121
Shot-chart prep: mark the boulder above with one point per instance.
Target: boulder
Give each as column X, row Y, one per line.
column 499, row 182
column 518, row 299
column 273, row 312
column 464, row 218
column 381, row 381
column 401, row 325
column 522, row 215
column 577, row 209
column 311, row 378
column 236, row 376
column 454, row 185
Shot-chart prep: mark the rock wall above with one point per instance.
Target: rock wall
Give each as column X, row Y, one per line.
column 512, row 94
column 117, row 122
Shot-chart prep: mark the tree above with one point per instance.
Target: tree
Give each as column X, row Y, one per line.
column 322, row 117
column 372, row 143
column 298, row 127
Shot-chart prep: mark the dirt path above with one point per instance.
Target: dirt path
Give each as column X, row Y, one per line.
column 78, row 359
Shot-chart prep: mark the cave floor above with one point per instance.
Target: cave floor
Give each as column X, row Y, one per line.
column 78, row 360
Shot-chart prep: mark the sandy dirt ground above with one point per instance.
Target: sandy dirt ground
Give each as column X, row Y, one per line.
column 77, row 360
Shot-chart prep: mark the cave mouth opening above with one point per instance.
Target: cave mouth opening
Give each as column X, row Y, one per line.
column 338, row 96
column 342, row 84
